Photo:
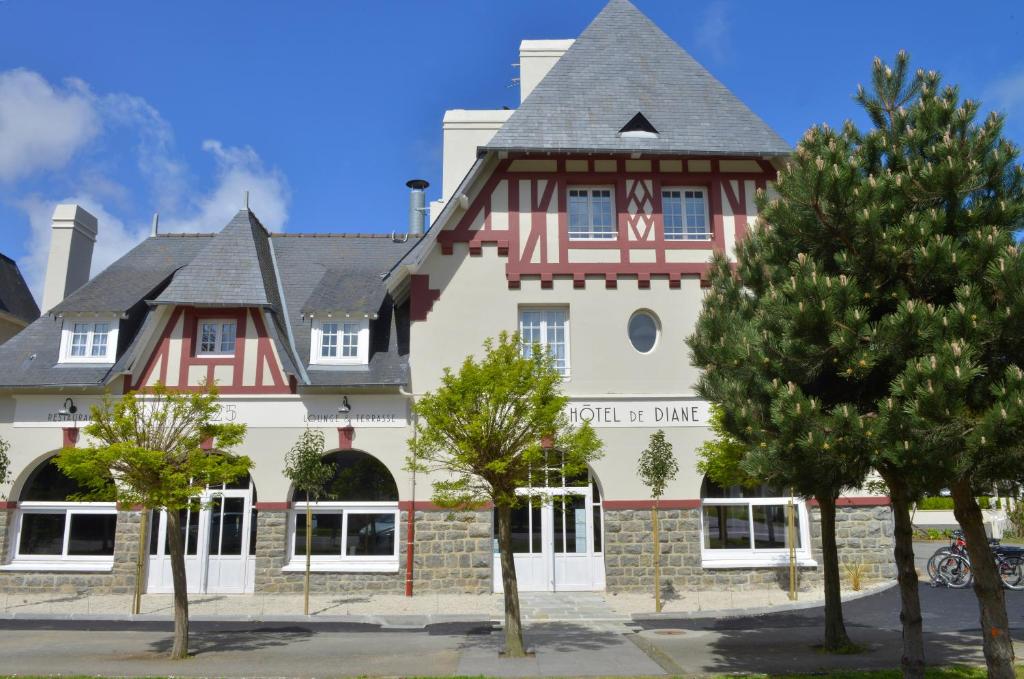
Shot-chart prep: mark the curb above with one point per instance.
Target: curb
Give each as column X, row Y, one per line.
column 760, row 610
column 383, row 621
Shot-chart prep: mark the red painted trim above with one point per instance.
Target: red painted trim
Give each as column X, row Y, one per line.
column 422, row 506
column 346, row 435
column 124, row 507
column 8, row 504
column 207, row 444
column 273, row 506
column 868, row 501
column 649, row 504
column 265, row 356
column 421, row 297
column 69, row 436
column 162, row 349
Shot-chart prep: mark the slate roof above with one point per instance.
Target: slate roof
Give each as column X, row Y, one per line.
column 623, row 64
column 342, row 273
column 319, row 273
column 15, row 297
column 234, row 269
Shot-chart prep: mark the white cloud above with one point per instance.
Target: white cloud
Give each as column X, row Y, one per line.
column 712, row 33
column 1006, row 94
column 42, row 126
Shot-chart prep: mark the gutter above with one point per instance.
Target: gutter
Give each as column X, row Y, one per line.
column 287, row 319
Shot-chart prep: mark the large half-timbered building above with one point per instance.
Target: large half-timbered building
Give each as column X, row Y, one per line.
column 584, row 219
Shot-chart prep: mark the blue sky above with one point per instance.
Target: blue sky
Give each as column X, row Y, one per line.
column 323, row 109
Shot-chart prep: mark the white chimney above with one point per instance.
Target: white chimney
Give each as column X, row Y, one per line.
column 536, row 57
column 464, row 131
column 72, row 237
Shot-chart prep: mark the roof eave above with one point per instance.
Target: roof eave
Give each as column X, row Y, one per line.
column 638, row 149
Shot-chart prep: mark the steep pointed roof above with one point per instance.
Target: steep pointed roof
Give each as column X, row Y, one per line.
column 234, row 269
column 623, row 64
column 15, row 298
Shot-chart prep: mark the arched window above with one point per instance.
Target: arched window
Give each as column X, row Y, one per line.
column 750, row 526
column 58, row 520
column 355, row 523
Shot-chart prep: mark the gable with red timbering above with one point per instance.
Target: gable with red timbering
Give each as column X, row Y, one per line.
column 174, row 358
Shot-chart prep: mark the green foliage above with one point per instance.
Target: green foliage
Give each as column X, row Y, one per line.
column 940, row 502
column 657, row 464
column 483, row 427
column 152, row 444
column 304, row 464
column 5, row 463
column 721, row 458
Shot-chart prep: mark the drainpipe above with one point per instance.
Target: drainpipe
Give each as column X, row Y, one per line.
column 410, row 544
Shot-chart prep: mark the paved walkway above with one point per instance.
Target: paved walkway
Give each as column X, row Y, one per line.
column 400, row 611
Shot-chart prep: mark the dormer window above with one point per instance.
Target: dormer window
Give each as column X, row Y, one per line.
column 88, row 341
column 638, row 127
column 217, row 337
column 340, row 341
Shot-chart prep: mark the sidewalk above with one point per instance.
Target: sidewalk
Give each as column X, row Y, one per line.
column 395, row 610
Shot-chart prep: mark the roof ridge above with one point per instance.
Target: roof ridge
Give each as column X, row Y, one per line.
column 344, row 234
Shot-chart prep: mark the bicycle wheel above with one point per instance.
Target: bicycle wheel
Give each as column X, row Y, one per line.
column 955, row 571
column 933, row 563
column 1011, row 571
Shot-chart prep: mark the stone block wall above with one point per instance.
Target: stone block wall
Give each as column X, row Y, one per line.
column 452, row 554
column 119, row 580
column 864, row 535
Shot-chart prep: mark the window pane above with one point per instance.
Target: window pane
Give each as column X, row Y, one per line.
column 643, row 332
column 79, row 339
column 92, row 535
column 579, row 214
column 598, row 527
column 672, row 214
column 771, row 527
column 329, row 340
column 227, row 338
column 696, row 221
column 42, row 534
column 601, row 210
column 253, row 522
column 189, row 531
column 370, row 535
column 727, row 527
column 571, row 525
column 231, row 535
column 154, row 532
column 350, row 340
column 99, row 339
column 526, row 529
column 326, row 534
column 208, row 338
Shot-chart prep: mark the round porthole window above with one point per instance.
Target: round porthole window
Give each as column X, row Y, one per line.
column 643, row 331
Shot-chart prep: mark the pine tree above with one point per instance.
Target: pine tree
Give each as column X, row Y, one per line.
column 878, row 308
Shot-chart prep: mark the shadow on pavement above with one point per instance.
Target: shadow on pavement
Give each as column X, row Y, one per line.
column 226, row 641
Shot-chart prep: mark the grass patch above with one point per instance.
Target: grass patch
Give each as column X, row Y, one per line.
column 951, row 672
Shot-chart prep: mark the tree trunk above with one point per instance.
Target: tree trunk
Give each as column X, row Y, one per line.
column 140, row 564
column 657, row 558
column 836, row 639
column 514, row 647
column 988, row 587
column 176, row 542
column 912, row 661
column 309, row 550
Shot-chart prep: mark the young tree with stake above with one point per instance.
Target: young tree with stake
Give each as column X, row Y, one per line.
column 305, row 467
column 657, row 467
column 484, row 429
column 5, row 463
column 151, row 442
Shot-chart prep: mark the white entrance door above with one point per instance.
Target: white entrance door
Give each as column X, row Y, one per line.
column 557, row 545
column 218, row 542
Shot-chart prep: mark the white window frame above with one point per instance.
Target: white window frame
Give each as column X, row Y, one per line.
column 753, row 557
column 68, row 333
column 362, row 356
column 591, row 235
column 342, row 563
column 685, row 236
column 62, row 561
column 567, row 373
column 218, row 336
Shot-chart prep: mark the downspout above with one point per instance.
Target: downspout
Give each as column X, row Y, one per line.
column 299, row 365
column 410, row 544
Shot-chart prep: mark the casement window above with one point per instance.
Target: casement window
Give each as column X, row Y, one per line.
column 340, row 342
column 747, row 527
column 546, row 329
column 88, row 341
column 355, row 523
column 591, row 213
column 685, row 213
column 54, row 532
column 216, row 337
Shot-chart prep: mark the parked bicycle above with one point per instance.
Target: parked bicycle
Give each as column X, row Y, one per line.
column 951, row 566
